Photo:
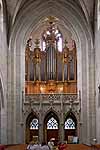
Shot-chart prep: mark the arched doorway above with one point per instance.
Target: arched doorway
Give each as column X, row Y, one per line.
column 32, row 126
column 70, row 127
column 51, row 127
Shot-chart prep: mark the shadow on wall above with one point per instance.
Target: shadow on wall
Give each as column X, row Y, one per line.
column 1, row 95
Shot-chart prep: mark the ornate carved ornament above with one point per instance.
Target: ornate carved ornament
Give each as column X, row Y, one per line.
column 66, row 98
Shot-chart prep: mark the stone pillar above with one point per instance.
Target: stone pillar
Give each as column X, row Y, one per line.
column 62, row 122
column 80, row 118
column 40, row 122
column 80, row 132
column 11, row 133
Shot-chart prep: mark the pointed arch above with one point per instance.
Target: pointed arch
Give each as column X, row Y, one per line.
column 32, row 126
column 51, row 126
column 52, row 123
column 71, row 115
column 70, row 121
column 70, row 126
column 30, row 117
column 51, row 113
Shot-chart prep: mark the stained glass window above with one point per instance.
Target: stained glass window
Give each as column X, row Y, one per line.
column 52, row 124
column 69, row 124
column 34, row 124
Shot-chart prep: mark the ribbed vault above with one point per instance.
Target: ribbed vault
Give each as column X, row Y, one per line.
column 32, row 15
column 13, row 8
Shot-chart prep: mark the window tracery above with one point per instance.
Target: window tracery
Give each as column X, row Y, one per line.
column 34, row 124
column 69, row 124
column 52, row 123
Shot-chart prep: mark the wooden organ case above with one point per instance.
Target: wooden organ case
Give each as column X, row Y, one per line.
column 50, row 70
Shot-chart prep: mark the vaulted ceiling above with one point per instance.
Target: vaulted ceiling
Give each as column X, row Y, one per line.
column 29, row 12
column 14, row 6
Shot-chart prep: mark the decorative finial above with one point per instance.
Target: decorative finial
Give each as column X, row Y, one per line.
column 51, row 19
column 37, row 42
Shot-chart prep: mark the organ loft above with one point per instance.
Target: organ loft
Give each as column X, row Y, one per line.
column 53, row 67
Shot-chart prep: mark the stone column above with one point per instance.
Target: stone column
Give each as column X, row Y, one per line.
column 62, row 121
column 40, row 122
column 80, row 132
column 80, row 119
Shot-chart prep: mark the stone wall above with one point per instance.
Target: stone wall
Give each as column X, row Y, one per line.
column 60, row 104
column 3, row 75
column 97, row 69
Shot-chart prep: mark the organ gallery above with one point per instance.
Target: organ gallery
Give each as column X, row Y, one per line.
column 51, row 68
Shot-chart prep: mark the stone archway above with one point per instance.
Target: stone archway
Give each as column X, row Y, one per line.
column 26, row 21
column 51, row 127
column 70, row 127
column 32, row 125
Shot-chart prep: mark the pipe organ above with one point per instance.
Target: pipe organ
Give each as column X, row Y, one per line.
column 50, row 70
column 51, row 62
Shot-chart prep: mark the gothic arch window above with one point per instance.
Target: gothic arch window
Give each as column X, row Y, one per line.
column 52, row 123
column 69, row 124
column 34, row 124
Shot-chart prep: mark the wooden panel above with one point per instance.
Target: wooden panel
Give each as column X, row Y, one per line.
column 69, row 132
column 51, row 133
column 50, row 87
column 33, row 133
